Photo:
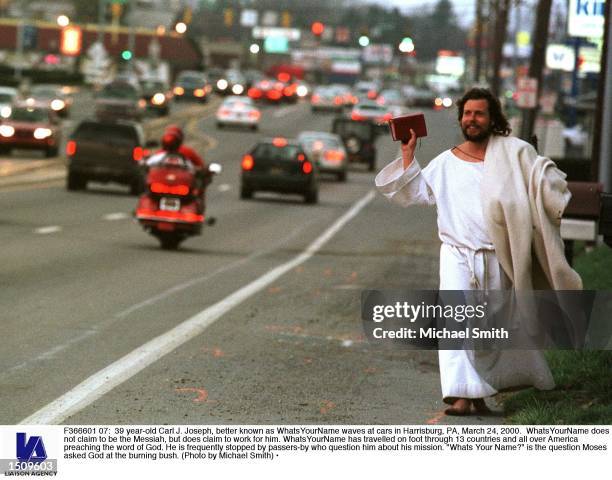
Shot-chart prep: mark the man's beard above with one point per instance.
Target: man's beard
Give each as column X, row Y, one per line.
column 481, row 136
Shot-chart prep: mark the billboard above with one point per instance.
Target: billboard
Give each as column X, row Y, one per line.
column 586, row 18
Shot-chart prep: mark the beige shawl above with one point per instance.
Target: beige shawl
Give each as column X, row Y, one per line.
column 524, row 196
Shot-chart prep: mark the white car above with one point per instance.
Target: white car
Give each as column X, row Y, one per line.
column 327, row 151
column 8, row 96
column 239, row 111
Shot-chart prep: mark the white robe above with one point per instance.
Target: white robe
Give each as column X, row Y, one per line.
column 467, row 262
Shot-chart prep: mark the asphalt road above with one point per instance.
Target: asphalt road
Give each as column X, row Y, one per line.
column 92, row 306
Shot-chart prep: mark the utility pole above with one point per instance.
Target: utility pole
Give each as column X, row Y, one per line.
column 501, row 24
column 602, row 142
column 540, row 39
column 478, row 42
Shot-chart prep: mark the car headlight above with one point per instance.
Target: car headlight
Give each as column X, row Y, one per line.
column 447, row 102
column 42, row 133
column 222, row 84
column 158, row 99
column 6, row 112
column 302, row 91
column 7, row 131
column 237, row 89
column 57, row 104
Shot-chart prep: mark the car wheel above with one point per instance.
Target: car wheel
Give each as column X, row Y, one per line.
column 312, row 196
column 51, row 152
column 246, row 193
column 5, row 151
column 220, row 125
column 342, row 176
column 75, row 181
column 254, row 127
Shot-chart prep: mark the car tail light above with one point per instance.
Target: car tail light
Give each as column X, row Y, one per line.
column 254, row 114
column 333, row 156
column 356, row 116
column 179, row 90
column 274, row 95
column 247, row 162
column 199, row 92
column 315, row 99
column 158, row 187
column 372, row 94
column 138, row 154
column 338, row 101
column 284, row 77
column 287, row 92
column 381, row 100
column 279, row 142
column 254, row 93
column 71, row 148
column 301, row 157
column 307, row 167
column 224, row 112
column 386, row 117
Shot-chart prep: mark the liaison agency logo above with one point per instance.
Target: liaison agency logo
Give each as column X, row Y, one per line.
column 30, row 459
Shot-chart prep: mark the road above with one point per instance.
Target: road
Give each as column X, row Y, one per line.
column 206, row 334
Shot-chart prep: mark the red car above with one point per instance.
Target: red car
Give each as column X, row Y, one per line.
column 31, row 126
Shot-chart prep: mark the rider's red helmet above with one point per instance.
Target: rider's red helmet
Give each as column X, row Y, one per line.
column 176, row 130
column 171, row 141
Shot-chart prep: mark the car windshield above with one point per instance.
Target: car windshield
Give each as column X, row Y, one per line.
column 29, row 114
column 149, row 85
column 320, row 143
column 272, row 152
column 6, row 98
column 372, row 108
column 349, row 128
column 44, row 92
column 119, row 91
column 92, row 131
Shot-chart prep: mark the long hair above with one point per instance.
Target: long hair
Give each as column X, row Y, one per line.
column 499, row 123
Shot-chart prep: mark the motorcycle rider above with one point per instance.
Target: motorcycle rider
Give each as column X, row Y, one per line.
column 172, row 142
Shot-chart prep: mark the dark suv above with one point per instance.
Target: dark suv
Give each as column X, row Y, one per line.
column 359, row 140
column 105, row 152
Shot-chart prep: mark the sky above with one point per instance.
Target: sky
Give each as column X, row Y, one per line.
column 464, row 9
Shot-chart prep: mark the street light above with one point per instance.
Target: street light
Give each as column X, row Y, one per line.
column 63, row 21
column 181, row 27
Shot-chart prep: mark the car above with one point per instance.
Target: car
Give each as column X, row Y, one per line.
column 120, row 100
column 8, row 96
column 192, row 85
column 359, row 140
column 158, row 96
column 370, row 111
column 391, row 96
column 239, row 111
column 31, row 126
column 232, row 82
column 326, row 98
column 327, row 151
column 366, row 90
column 106, row 151
column 279, row 165
column 268, row 90
column 53, row 96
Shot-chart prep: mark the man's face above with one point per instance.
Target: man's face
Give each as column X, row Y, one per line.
column 476, row 121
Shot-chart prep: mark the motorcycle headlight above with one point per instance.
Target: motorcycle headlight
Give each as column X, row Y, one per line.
column 7, row 131
column 42, row 133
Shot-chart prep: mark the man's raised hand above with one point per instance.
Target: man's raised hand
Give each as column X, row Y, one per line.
column 408, row 149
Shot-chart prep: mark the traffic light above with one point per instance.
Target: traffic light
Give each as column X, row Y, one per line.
column 317, row 29
column 126, row 55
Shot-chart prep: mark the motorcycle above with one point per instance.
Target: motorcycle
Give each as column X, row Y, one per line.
column 172, row 206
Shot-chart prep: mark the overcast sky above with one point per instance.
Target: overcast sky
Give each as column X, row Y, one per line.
column 464, row 9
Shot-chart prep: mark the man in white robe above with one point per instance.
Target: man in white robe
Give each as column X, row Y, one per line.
column 453, row 182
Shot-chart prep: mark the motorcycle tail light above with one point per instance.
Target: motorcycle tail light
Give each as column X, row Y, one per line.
column 138, row 154
column 247, row 162
column 71, row 148
column 158, row 187
column 307, row 167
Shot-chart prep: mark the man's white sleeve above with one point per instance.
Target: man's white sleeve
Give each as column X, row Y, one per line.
column 404, row 187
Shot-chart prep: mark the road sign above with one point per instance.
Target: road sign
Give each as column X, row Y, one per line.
column 527, row 92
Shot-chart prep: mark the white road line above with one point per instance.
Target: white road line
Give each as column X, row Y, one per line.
column 48, row 230
column 123, row 369
column 116, row 216
column 281, row 112
column 224, row 187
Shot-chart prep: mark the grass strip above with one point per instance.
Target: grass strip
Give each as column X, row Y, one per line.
column 583, row 394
